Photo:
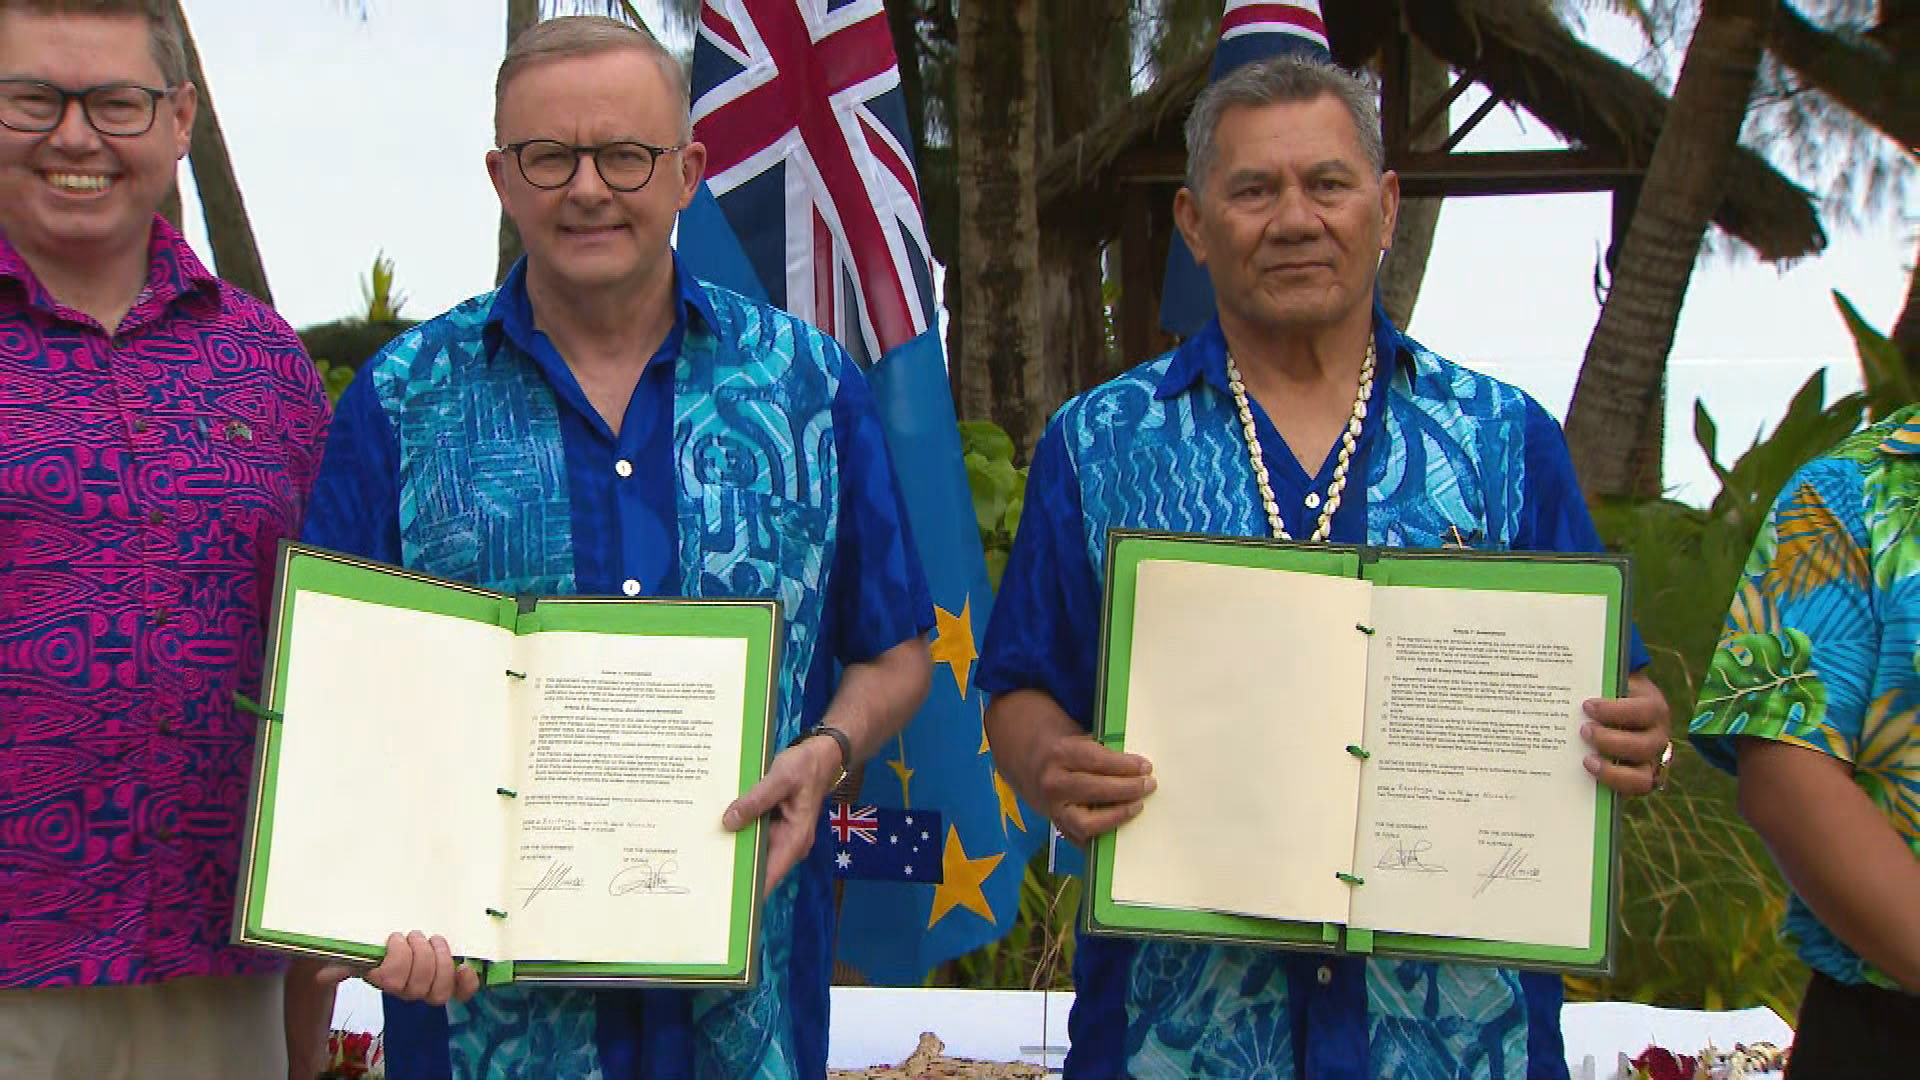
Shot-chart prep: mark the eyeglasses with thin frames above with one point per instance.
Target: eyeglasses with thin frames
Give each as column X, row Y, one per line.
column 625, row 165
column 117, row 110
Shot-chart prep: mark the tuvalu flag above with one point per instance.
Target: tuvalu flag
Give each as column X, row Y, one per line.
column 1249, row 31
column 811, row 202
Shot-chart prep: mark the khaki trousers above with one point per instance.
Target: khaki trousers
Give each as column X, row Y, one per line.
column 231, row 1028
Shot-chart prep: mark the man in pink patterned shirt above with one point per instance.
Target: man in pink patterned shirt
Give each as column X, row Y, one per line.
column 159, row 432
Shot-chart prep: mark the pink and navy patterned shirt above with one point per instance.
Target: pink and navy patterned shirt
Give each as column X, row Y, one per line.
column 146, row 477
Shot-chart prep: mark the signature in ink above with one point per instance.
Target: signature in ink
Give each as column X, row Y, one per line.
column 644, row 877
column 1510, row 866
column 556, row 879
column 1408, row 856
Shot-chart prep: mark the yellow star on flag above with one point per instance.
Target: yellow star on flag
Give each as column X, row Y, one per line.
column 953, row 642
column 960, row 881
column 1009, row 803
column 984, row 747
column 899, row 767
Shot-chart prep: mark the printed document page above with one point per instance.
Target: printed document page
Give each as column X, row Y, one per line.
column 631, row 752
column 1476, row 816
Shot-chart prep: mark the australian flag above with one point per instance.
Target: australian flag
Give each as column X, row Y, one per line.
column 812, row 203
column 1249, row 31
column 881, row 843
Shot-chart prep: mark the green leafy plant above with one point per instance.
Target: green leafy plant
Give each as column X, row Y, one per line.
column 999, row 489
column 339, row 347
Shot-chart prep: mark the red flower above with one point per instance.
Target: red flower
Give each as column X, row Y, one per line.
column 1659, row 1064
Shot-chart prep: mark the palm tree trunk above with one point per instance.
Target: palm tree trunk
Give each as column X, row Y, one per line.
column 1405, row 266
column 1615, row 423
column 1075, row 84
column 1003, row 375
column 521, row 15
column 236, row 254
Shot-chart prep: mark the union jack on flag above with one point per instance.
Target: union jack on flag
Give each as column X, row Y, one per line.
column 805, row 99
column 848, row 821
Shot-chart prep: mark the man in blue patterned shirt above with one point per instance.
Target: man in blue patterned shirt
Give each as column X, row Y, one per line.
column 1253, row 427
column 606, row 424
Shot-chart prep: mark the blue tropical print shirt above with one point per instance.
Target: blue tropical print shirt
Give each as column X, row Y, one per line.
column 618, row 527
column 1444, row 454
column 1821, row 647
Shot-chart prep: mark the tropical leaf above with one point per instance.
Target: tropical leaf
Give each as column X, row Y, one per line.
column 1887, row 765
column 1884, row 373
column 1762, row 684
column 1894, row 523
column 1754, row 611
column 1812, row 548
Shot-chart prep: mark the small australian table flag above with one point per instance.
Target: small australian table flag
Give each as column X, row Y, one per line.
column 881, row 843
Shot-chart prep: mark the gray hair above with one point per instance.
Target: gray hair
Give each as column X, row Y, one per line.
column 587, row 35
column 1284, row 80
column 164, row 38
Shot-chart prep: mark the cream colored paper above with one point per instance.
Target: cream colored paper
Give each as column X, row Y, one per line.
column 632, row 750
column 1476, row 815
column 1245, row 688
column 384, row 813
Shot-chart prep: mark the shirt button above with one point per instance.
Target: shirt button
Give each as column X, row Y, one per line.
column 160, row 617
column 623, row 467
column 163, row 834
column 163, row 726
column 156, row 517
column 630, row 587
column 1324, row 976
column 140, row 426
column 1313, row 501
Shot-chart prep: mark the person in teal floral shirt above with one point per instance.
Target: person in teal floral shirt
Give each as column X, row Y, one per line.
column 1813, row 701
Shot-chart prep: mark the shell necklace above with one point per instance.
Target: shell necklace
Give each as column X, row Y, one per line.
column 1347, row 442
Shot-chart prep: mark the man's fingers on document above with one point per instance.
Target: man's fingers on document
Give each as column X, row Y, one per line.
column 420, row 967
column 1082, row 823
column 390, row 974
column 1082, row 754
column 756, row 802
column 466, row 982
column 1094, row 789
column 441, row 988
column 1623, row 778
column 1626, row 713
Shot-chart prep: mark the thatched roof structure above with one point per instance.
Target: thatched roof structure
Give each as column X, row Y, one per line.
column 1515, row 48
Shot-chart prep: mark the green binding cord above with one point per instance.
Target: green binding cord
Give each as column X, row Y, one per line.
column 1349, row 878
column 1359, row 751
column 498, row 973
column 247, row 704
column 1364, row 628
column 508, row 792
column 496, row 913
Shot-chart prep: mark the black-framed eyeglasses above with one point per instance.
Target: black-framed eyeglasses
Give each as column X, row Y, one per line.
column 624, row 165
column 120, row 110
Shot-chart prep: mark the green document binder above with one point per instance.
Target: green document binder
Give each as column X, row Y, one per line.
column 1460, row 778
column 538, row 779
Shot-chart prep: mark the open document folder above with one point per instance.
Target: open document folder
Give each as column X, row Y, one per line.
column 538, row 779
column 1360, row 749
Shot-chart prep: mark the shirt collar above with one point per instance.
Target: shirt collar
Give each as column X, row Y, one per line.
column 511, row 315
column 1204, row 356
column 173, row 271
column 1904, row 440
